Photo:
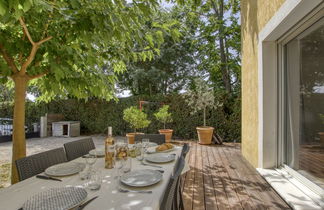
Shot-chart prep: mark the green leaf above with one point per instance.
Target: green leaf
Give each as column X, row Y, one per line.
column 27, row 5
column 3, row 7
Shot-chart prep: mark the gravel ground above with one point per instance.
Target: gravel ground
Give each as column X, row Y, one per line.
column 37, row 145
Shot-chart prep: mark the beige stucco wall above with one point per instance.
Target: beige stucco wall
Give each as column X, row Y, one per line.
column 254, row 16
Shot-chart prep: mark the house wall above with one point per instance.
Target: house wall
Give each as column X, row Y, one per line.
column 254, row 16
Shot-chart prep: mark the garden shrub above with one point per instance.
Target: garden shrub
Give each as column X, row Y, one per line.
column 96, row 115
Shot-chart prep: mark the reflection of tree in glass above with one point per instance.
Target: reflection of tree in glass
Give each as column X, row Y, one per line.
column 312, row 62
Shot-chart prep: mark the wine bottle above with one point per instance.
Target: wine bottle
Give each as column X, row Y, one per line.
column 109, row 150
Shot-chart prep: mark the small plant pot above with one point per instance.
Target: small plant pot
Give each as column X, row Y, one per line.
column 321, row 135
column 205, row 134
column 167, row 133
column 131, row 137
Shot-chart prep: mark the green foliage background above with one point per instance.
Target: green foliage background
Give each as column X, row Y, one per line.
column 97, row 115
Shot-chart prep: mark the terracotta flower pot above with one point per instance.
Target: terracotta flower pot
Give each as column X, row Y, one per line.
column 131, row 137
column 167, row 133
column 205, row 134
column 321, row 134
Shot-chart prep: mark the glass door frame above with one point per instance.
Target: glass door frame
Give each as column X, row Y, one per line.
column 308, row 22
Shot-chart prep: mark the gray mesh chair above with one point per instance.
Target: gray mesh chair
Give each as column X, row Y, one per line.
column 170, row 195
column 156, row 138
column 37, row 163
column 78, row 148
column 185, row 150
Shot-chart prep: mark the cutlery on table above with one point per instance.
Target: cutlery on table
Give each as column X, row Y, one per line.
column 47, row 177
column 86, row 203
column 161, row 171
column 146, row 164
column 133, row 191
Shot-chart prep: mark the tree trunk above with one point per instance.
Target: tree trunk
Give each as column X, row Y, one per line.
column 18, row 138
column 224, row 64
column 219, row 12
column 204, row 116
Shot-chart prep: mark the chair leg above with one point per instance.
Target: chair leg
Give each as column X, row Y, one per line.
column 181, row 206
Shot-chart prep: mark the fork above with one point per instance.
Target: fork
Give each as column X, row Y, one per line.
column 133, row 191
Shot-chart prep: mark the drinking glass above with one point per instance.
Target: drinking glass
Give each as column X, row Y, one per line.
column 119, row 164
column 132, row 150
column 127, row 165
column 139, row 152
column 95, row 180
column 145, row 143
column 91, row 159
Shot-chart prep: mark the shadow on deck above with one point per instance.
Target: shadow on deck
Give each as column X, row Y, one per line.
column 220, row 178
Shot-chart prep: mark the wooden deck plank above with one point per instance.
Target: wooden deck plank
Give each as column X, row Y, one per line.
column 233, row 200
column 187, row 194
column 260, row 192
column 209, row 192
column 229, row 163
column 220, row 178
column 198, row 197
column 215, row 170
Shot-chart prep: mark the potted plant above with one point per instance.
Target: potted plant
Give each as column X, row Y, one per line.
column 165, row 117
column 199, row 99
column 321, row 134
column 137, row 119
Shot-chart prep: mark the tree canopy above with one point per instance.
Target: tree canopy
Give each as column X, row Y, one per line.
column 61, row 47
column 81, row 48
column 70, row 41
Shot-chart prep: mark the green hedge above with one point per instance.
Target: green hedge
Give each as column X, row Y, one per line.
column 96, row 115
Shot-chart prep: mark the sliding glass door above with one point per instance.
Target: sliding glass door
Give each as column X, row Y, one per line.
column 303, row 103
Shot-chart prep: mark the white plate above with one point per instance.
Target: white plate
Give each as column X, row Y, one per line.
column 152, row 150
column 160, row 158
column 141, row 178
column 56, row 198
column 65, row 169
column 100, row 153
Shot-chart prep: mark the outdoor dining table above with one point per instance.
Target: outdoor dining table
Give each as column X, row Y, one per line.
column 110, row 198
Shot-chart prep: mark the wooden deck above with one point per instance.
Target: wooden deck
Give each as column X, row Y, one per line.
column 311, row 160
column 220, row 178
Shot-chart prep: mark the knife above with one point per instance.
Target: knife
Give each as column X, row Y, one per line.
column 47, row 177
column 86, row 203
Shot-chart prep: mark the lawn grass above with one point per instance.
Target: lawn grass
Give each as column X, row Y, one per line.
column 5, row 174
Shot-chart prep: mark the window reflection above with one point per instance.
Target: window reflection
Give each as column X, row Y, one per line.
column 305, row 103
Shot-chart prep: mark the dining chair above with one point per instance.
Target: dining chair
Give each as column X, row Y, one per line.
column 178, row 196
column 156, row 138
column 185, row 150
column 37, row 163
column 169, row 201
column 78, row 148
